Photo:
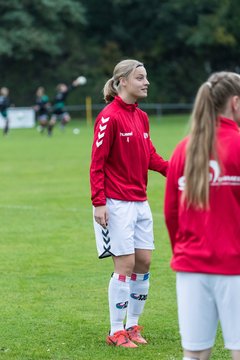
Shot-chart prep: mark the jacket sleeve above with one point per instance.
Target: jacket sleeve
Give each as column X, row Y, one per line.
column 157, row 163
column 102, row 141
column 171, row 201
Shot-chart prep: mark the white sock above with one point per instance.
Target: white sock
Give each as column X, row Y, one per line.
column 139, row 285
column 188, row 358
column 118, row 295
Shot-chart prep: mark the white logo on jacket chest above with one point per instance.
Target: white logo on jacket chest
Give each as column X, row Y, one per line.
column 101, row 132
column 127, row 134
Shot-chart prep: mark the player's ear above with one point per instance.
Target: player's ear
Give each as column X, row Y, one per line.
column 235, row 103
column 122, row 81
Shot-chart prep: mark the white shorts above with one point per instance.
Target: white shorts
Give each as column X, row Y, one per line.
column 130, row 227
column 203, row 301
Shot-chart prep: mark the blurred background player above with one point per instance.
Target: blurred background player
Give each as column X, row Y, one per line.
column 59, row 112
column 4, row 105
column 42, row 106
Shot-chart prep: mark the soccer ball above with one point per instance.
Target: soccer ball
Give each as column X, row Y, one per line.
column 76, row 131
column 81, row 80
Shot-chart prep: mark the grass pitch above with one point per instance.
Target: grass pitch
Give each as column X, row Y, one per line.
column 53, row 301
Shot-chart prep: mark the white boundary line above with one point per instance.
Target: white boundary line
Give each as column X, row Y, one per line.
column 30, row 207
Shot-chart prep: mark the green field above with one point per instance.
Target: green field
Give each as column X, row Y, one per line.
column 53, row 302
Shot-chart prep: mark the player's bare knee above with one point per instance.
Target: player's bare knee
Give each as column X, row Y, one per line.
column 197, row 355
column 124, row 264
column 236, row 354
column 142, row 265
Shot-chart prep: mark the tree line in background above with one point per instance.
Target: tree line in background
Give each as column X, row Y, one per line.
column 44, row 42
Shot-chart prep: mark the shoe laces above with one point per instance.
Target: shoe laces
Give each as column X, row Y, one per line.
column 122, row 333
column 135, row 329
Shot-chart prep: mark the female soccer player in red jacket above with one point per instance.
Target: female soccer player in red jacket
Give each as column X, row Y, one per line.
column 202, row 211
column 122, row 154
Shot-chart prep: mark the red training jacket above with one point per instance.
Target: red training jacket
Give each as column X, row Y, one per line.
column 207, row 241
column 122, row 153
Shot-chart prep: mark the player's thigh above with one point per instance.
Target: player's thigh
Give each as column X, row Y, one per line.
column 228, row 303
column 122, row 218
column 143, row 232
column 53, row 119
column 43, row 119
column 197, row 313
column 118, row 238
column 65, row 117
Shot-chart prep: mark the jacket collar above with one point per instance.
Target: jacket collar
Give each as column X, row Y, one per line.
column 225, row 122
column 128, row 107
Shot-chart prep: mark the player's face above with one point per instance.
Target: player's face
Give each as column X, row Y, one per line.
column 62, row 87
column 136, row 85
column 4, row 91
column 40, row 91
